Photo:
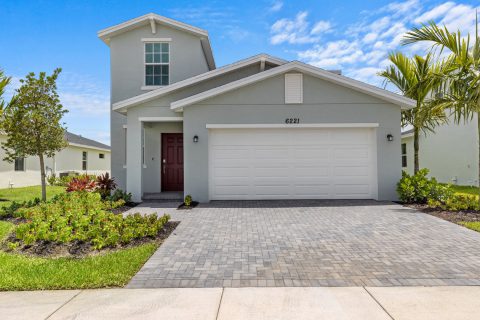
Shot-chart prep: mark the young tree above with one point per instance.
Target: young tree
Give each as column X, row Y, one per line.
column 462, row 88
column 32, row 121
column 416, row 78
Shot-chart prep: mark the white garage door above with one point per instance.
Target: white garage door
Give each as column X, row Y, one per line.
column 292, row 163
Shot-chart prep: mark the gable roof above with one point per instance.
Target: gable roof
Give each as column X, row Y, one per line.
column 403, row 102
column 123, row 105
column 77, row 140
column 152, row 19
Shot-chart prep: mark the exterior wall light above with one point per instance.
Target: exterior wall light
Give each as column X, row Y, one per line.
column 195, row 138
column 389, row 137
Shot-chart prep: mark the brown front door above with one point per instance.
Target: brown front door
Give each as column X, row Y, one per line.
column 172, row 162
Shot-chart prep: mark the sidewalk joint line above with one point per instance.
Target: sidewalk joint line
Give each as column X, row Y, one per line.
column 220, row 303
column 378, row 302
column 63, row 304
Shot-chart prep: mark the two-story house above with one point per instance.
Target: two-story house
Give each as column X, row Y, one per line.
column 259, row 128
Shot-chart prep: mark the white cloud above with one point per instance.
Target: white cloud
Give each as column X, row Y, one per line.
column 321, row 27
column 297, row 30
column 276, row 6
column 435, row 12
column 362, row 49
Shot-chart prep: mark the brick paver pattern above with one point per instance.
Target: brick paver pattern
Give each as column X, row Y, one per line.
column 311, row 243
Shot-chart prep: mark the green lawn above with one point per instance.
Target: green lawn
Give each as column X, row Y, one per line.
column 26, row 193
column 113, row 269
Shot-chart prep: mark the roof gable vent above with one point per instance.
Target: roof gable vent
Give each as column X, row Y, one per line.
column 293, row 88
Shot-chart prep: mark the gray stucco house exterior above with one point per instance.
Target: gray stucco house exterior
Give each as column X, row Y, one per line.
column 259, row 128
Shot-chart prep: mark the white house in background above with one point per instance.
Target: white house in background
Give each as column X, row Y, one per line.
column 82, row 155
column 451, row 153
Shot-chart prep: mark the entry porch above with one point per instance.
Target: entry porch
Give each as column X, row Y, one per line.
column 154, row 153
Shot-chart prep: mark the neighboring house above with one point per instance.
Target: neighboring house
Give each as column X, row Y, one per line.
column 451, row 153
column 259, row 128
column 82, row 155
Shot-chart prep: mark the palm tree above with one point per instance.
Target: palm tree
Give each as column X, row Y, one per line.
column 416, row 78
column 4, row 81
column 462, row 89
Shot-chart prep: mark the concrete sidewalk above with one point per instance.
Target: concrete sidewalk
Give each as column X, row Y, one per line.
column 246, row 303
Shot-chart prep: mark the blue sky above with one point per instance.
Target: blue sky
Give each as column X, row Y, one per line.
column 354, row 36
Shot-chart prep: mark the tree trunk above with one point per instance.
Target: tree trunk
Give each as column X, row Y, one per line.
column 416, row 165
column 42, row 176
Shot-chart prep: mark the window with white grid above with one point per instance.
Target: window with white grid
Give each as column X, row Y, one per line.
column 157, row 63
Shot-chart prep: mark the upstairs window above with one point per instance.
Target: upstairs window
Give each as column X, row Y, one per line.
column 20, row 164
column 157, row 63
column 101, row 155
column 404, row 155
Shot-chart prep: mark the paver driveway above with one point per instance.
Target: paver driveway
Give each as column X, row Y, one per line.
column 312, row 243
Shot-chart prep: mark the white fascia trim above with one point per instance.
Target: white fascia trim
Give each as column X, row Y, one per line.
column 122, row 106
column 156, row 39
column 284, row 125
column 150, row 88
column 408, row 135
column 403, row 102
column 106, row 33
column 87, row 147
column 160, row 119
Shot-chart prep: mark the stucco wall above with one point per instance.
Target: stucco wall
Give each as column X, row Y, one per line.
column 263, row 103
column 69, row 159
column 127, row 76
column 450, row 153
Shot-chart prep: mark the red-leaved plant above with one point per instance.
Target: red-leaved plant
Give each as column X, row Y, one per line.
column 105, row 185
column 82, row 183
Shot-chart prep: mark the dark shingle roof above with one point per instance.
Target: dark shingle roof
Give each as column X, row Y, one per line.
column 76, row 139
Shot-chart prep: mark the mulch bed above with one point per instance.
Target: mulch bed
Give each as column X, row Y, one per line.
column 191, row 206
column 79, row 249
column 452, row 216
column 125, row 208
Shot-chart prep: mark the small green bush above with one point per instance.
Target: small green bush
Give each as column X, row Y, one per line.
column 188, row 200
column 9, row 211
column 120, row 195
column 456, row 202
column 83, row 216
column 418, row 188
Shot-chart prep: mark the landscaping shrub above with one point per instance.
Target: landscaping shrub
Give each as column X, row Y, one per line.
column 456, row 202
column 418, row 188
column 82, row 183
column 121, row 195
column 9, row 211
column 105, row 185
column 84, row 217
column 188, row 200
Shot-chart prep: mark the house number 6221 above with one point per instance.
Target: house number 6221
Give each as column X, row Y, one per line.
column 292, row 120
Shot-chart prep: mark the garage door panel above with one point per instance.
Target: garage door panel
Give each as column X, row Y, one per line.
column 275, row 171
column 311, row 171
column 230, row 172
column 351, row 190
column 333, row 163
column 348, row 171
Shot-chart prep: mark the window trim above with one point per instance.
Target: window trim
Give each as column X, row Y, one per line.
column 24, row 167
column 404, row 155
column 152, row 87
column 85, row 161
